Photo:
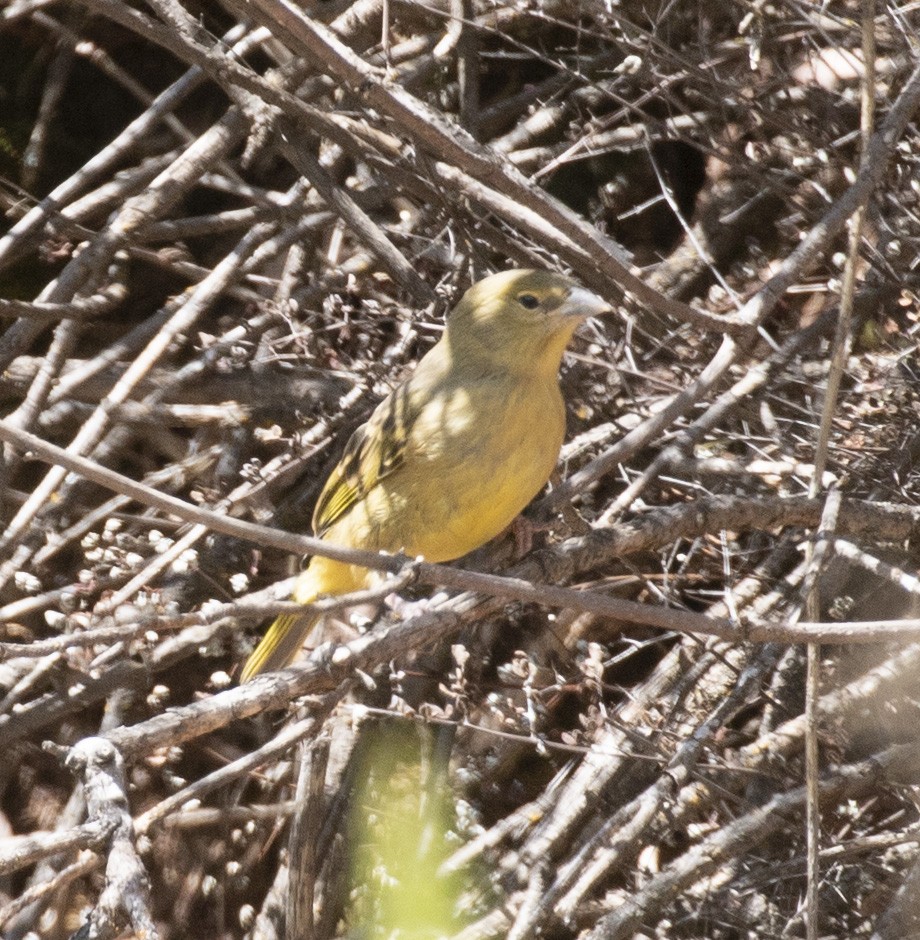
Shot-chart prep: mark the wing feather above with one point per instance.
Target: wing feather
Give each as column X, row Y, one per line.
column 373, row 452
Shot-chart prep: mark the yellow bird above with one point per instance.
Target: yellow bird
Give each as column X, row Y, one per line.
column 448, row 460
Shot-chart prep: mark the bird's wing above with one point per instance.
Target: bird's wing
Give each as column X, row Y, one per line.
column 375, row 450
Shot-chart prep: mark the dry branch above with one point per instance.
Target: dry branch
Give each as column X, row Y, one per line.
column 227, row 239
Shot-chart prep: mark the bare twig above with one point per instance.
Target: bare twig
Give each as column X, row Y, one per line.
column 125, row 900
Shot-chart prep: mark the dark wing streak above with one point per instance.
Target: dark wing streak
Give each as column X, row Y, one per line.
column 374, row 451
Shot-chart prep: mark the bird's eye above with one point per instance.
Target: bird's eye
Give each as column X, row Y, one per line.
column 529, row 301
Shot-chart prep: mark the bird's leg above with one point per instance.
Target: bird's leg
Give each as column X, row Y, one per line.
column 523, row 530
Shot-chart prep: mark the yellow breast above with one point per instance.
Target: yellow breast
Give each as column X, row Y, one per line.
column 464, row 479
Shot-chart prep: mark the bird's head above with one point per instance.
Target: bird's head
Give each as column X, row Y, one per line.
column 526, row 317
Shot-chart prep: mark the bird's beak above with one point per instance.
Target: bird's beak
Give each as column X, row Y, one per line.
column 583, row 303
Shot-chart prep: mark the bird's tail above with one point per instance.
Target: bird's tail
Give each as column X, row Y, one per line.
column 285, row 636
column 280, row 644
